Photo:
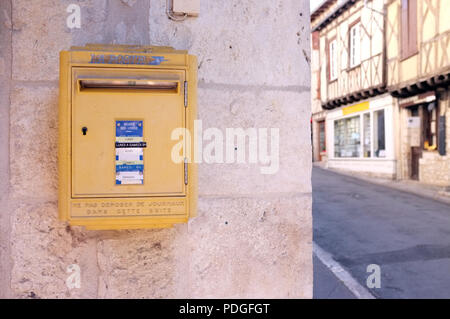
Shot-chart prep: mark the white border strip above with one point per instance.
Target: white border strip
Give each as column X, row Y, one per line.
column 347, row 279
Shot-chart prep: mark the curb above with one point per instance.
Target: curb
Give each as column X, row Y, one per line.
column 344, row 276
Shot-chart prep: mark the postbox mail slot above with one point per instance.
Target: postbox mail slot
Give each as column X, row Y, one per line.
column 133, row 84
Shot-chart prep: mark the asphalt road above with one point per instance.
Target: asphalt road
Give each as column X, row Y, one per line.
column 327, row 285
column 408, row 236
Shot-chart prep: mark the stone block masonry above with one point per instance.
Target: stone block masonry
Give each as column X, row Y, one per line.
column 252, row 236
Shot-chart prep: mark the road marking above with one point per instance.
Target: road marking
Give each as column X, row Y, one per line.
column 347, row 279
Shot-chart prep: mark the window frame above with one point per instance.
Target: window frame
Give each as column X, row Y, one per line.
column 322, row 123
column 332, row 64
column 356, row 23
column 427, row 122
column 348, row 117
column 373, row 135
column 360, row 116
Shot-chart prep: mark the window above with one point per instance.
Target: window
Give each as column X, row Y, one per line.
column 370, row 143
column 367, row 151
column 332, row 57
column 322, row 144
column 408, row 28
column 379, row 142
column 430, row 118
column 355, row 47
column 346, row 137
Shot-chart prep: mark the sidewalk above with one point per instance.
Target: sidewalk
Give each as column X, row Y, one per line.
column 441, row 194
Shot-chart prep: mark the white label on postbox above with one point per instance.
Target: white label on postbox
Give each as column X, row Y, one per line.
column 129, row 152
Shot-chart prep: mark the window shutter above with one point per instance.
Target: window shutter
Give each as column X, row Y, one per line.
column 318, row 85
column 315, row 40
column 404, row 28
column 412, row 27
column 332, row 61
column 335, row 64
column 358, row 44
column 352, row 46
column 441, row 135
column 329, row 59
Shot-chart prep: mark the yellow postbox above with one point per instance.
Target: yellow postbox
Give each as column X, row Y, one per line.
column 119, row 106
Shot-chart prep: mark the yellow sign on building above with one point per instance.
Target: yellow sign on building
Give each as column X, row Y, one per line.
column 118, row 108
column 364, row 106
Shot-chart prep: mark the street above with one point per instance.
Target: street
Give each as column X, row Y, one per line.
column 408, row 236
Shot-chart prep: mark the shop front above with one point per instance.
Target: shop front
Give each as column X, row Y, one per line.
column 424, row 135
column 360, row 137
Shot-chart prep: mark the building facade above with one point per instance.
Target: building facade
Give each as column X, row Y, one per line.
column 318, row 113
column 418, row 46
column 355, row 127
column 380, row 83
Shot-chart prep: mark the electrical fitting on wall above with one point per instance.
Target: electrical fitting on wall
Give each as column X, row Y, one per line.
column 179, row 10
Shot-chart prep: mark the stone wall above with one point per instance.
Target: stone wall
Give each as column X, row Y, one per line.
column 434, row 168
column 404, row 146
column 253, row 234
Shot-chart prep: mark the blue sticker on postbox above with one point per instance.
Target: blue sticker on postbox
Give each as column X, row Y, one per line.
column 129, row 152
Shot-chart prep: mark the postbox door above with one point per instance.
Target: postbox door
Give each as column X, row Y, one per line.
column 122, row 121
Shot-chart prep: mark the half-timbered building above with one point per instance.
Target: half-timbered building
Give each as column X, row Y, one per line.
column 354, row 129
column 418, row 75
column 318, row 112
